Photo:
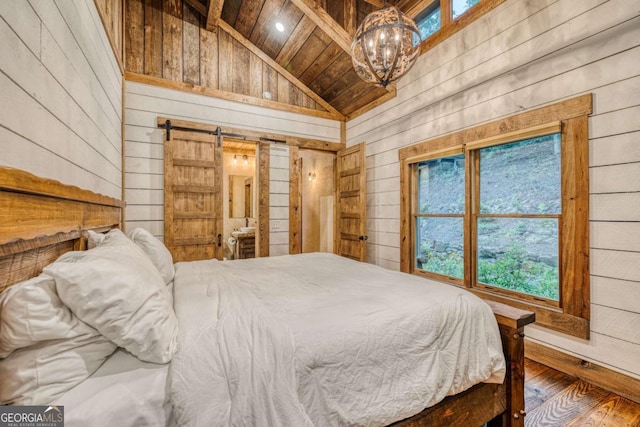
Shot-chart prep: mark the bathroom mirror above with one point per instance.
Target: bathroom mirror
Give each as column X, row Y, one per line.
column 240, row 196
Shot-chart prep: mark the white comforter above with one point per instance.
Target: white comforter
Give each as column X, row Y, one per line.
column 323, row 340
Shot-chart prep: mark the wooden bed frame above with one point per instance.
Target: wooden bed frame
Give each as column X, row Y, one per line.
column 40, row 219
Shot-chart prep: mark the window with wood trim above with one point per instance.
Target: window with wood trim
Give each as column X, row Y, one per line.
column 437, row 20
column 502, row 209
column 433, row 17
column 428, row 21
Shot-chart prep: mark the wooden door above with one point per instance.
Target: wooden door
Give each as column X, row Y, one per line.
column 193, row 223
column 351, row 203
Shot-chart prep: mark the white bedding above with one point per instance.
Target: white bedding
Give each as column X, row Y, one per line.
column 285, row 340
column 124, row 391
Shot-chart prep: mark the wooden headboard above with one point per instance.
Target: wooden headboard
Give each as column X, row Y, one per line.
column 40, row 219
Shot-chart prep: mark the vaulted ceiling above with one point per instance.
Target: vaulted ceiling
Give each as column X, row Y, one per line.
column 313, row 43
column 233, row 49
column 313, row 47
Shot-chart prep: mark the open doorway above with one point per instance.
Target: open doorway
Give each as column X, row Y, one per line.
column 317, row 194
column 240, row 198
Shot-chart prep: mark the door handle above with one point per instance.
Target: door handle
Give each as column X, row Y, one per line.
column 219, row 240
column 363, row 237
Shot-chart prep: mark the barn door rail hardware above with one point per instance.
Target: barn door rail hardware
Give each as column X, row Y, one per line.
column 218, row 132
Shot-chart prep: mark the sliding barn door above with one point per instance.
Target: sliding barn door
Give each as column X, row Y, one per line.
column 192, row 196
column 351, row 203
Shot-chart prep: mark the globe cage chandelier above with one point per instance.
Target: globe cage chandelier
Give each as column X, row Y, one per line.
column 383, row 50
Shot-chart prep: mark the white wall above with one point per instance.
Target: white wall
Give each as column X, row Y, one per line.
column 522, row 55
column 317, row 200
column 279, row 200
column 144, row 142
column 61, row 94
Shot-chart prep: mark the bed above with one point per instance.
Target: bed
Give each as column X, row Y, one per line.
column 31, row 239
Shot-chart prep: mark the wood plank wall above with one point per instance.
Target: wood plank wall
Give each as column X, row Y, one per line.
column 60, row 86
column 144, row 142
column 111, row 14
column 168, row 40
column 520, row 56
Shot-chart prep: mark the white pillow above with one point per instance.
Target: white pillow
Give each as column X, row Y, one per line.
column 156, row 251
column 116, row 289
column 41, row 374
column 94, row 239
column 45, row 350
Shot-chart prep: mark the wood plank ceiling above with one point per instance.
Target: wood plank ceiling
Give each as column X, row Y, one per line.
column 232, row 49
column 314, row 45
column 305, row 49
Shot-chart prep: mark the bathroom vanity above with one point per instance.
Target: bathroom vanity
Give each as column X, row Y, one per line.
column 245, row 242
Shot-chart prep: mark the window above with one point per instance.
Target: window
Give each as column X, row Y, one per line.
column 458, row 7
column 428, row 21
column 505, row 215
column 518, row 216
column 440, row 14
column 439, row 220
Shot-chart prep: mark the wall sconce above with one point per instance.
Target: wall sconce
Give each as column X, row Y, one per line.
column 235, row 160
column 312, row 176
column 245, row 160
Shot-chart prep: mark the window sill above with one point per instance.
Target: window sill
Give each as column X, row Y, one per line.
column 548, row 317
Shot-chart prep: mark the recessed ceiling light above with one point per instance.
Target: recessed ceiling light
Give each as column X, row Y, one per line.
column 279, row 27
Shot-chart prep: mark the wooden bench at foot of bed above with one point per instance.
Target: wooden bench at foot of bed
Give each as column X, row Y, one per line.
column 495, row 404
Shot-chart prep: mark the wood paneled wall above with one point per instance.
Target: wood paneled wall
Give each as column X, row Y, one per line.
column 167, row 39
column 61, row 96
column 144, row 143
column 111, row 14
column 520, row 56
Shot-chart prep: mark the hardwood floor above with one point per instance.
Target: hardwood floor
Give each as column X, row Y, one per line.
column 555, row 399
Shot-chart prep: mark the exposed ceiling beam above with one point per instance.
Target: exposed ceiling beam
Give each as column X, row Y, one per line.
column 198, row 6
column 409, row 7
column 323, row 20
column 350, row 17
column 376, row 3
column 213, row 14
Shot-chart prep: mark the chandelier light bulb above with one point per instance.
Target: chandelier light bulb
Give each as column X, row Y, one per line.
column 235, row 160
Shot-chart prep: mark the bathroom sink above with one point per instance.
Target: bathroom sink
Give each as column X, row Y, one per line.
column 242, row 231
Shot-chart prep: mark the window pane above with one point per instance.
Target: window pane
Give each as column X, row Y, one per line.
column 521, row 177
column 519, row 254
column 458, row 7
column 439, row 246
column 428, row 24
column 441, row 185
